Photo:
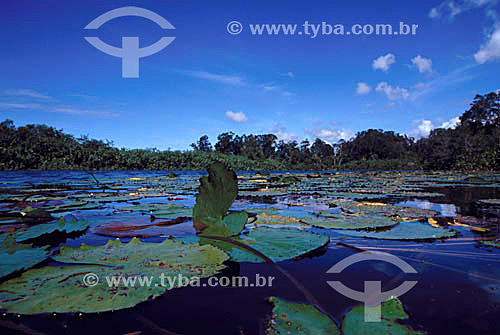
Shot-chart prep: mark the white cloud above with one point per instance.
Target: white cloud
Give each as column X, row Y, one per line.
column 282, row 134
column 452, row 8
column 270, row 88
column 277, row 89
column 58, row 109
column 384, row 63
column 490, row 50
column 451, row 124
column 220, row 78
column 363, row 88
column 238, row 117
column 28, row 93
column 424, row 127
column 419, row 86
column 434, row 13
column 290, row 74
column 8, row 105
column 392, row 93
column 424, row 65
column 85, row 112
column 443, row 82
column 330, row 135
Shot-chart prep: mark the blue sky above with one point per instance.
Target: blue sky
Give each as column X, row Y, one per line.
column 208, row 81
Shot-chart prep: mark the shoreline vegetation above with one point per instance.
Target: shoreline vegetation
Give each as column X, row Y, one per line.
column 474, row 144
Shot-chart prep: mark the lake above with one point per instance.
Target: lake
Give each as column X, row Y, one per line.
column 444, row 225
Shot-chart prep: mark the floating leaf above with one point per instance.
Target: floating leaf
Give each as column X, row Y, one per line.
column 391, row 210
column 62, row 225
column 495, row 243
column 15, row 257
column 277, row 244
column 61, row 289
column 405, row 230
column 390, row 312
column 338, row 221
column 269, row 219
column 303, row 319
column 491, row 202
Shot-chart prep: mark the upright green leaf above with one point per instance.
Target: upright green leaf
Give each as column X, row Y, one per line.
column 216, row 195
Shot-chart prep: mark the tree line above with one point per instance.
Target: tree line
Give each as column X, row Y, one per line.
column 473, row 145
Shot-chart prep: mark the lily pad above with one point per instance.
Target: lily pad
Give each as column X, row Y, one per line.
column 15, row 257
column 61, row 289
column 339, row 221
column 62, row 225
column 405, row 230
column 271, row 220
column 386, row 209
column 391, row 311
column 495, row 243
column 491, row 202
column 303, row 319
column 277, row 244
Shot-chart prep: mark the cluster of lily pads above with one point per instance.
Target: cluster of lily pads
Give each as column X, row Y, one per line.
column 296, row 215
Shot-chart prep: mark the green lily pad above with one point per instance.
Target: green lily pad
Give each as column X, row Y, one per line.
column 390, row 210
column 106, row 197
column 405, row 230
column 271, row 220
column 339, row 221
column 303, row 319
column 15, row 257
column 217, row 193
column 495, row 243
column 391, row 311
column 492, row 202
column 61, row 289
column 277, row 244
column 62, row 225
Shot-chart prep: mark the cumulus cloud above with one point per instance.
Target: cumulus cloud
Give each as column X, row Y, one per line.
column 282, row 134
column 363, row 88
column 489, row 51
column 424, row 65
column 452, row 8
column 451, row 124
column 384, row 63
column 424, row 127
column 238, row 117
column 392, row 93
column 330, row 135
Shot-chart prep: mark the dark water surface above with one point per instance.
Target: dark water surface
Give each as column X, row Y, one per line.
column 458, row 290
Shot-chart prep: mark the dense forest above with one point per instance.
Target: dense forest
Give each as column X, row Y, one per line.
column 473, row 145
